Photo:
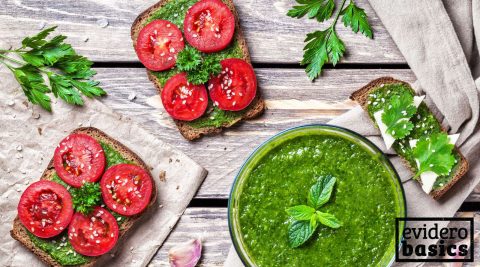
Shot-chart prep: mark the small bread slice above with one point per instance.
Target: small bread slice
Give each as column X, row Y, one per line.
column 254, row 110
column 361, row 97
column 20, row 233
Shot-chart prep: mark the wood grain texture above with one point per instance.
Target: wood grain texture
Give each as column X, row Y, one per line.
column 292, row 100
column 272, row 36
column 212, row 225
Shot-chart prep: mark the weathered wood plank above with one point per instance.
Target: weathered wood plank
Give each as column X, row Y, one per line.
column 212, row 225
column 223, row 154
column 272, row 36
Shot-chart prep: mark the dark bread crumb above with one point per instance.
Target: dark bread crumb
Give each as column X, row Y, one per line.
column 255, row 109
column 361, row 97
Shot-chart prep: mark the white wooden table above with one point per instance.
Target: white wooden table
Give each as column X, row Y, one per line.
column 275, row 42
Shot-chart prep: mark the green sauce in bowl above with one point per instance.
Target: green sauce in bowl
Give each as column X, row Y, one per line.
column 367, row 198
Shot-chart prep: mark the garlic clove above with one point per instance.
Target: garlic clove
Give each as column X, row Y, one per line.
column 186, row 255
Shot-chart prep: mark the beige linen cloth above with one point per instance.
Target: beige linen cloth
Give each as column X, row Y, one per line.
column 439, row 40
column 27, row 143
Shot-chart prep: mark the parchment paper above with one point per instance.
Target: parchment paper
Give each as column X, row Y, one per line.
column 28, row 137
column 439, row 40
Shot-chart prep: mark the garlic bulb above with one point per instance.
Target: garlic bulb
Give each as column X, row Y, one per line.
column 185, row 255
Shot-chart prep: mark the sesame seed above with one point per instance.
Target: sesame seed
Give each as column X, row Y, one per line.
column 98, row 241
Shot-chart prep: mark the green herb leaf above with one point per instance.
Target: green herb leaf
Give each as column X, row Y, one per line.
column 299, row 232
column 199, row 68
column 86, row 197
column 356, row 18
column 322, row 47
column 188, row 59
column 397, row 114
column 434, row 154
column 321, row 191
column 301, row 212
column 69, row 74
column 321, row 10
column 328, row 219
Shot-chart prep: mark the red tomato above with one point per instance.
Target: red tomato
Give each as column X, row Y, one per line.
column 235, row 87
column 126, row 189
column 45, row 208
column 95, row 234
column 158, row 44
column 209, row 26
column 79, row 158
column 182, row 100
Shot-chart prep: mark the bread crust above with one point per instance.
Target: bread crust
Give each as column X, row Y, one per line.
column 20, row 233
column 255, row 109
column 361, row 97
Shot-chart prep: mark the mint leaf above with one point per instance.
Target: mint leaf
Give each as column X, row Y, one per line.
column 321, row 191
column 397, row 114
column 328, row 219
column 356, row 18
column 434, row 154
column 301, row 213
column 321, row 10
column 299, row 232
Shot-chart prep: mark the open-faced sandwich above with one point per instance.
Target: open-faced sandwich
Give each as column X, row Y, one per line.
column 91, row 194
column 198, row 59
column 409, row 127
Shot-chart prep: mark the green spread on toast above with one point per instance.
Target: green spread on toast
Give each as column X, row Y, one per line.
column 424, row 124
column 59, row 247
column 175, row 11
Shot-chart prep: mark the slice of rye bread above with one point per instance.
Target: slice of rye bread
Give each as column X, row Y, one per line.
column 254, row 110
column 20, row 233
column 361, row 96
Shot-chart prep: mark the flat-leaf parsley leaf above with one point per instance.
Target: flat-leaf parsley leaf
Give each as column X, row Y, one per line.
column 69, row 74
column 325, row 46
column 434, row 153
column 397, row 114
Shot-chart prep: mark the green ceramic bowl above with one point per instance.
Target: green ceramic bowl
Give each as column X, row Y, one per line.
column 307, row 130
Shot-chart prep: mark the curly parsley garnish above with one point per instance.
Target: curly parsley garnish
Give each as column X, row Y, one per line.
column 397, row 114
column 325, row 46
column 69, row 74
column 434, row 153
column 305, row 218
column 86, row 197
column 198, row 67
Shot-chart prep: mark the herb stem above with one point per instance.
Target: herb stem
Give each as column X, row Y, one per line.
column 338, row 14
column 11, row 59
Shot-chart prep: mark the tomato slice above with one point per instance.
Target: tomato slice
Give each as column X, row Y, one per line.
column 79, row 158
column 158, row 44
column 209, row 26
column 235, row 87
column 94, row 234
column 45, row 208
column 182, row 100
column 126, row 189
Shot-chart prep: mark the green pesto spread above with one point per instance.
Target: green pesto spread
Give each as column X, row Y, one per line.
column 364, row 200
column 175, row 11
column 424, row 123
column 59, row 247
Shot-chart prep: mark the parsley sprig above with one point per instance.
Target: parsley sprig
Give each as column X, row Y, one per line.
column 69, row 74
column 397, row 114
column 306, row 218
column 325, row 46
column 198, row 68
column 86, row 197
column 434, row 153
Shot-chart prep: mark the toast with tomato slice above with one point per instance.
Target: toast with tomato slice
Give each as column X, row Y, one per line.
column 254, row 109
column 20, row 233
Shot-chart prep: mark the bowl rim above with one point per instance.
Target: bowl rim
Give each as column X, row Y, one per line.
column 322, row 125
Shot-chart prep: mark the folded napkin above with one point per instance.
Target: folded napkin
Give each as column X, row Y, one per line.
column 437, row 38
column 27, row 142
